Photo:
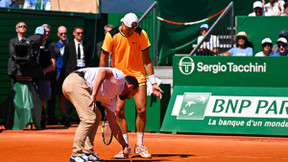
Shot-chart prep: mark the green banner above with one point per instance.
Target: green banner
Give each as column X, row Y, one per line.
column 230, row 71
column 228, row 95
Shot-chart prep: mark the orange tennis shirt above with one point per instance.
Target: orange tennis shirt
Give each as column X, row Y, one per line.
column 126, row 52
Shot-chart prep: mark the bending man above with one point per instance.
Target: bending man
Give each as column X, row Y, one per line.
column 83, row 88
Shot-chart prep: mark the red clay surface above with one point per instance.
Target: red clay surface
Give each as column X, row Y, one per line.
column 54, row 144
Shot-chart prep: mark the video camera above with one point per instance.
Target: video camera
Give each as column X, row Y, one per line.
column 28, row 51
column 24, row 63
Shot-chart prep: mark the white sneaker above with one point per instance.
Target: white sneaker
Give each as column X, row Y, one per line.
column 93, row 157
column 142, row 151
column 78, row 158
column 120, row 155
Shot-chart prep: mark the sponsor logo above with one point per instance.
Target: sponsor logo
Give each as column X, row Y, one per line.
column 186, row 65
column 195, row 106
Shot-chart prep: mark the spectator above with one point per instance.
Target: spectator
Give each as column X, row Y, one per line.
column 266, row 48
column 282, row 45
column 76, row 55
column 47, row 61
column 57, row 86
column 5, row 3
column 274, row 8
column 258, row 9
column 241, row 50
column 107, row 28
column 210, row 46
column 37, row 4
column 282, row 34
column 285, row 10
column 14, row 4
column 13, row 68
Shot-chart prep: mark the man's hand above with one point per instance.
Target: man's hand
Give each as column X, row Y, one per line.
column 157, row 91
column 126, row 152
column 93, row 103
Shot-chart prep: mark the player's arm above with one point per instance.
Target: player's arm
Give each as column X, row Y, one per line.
column 101, row 76
column 157, row 91
column 103, row 58
column 117, row 131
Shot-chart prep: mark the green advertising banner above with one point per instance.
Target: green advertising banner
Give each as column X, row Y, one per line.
column 231, row 71
column 228, row 95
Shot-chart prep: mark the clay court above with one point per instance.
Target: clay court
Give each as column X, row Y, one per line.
column 55, row 144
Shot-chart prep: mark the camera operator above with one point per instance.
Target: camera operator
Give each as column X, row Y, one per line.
column 13, row 68
column 47, row 60
column 24, row 68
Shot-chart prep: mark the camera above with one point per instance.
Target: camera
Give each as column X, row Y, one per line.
column 23, row 64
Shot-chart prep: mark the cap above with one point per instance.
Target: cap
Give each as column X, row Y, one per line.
column 284, row 33
column 281, row 40
column 242, row 33
column 257, row 4
column 129, row 18
column 40, row 30
column 266, row 40
column 204, row 26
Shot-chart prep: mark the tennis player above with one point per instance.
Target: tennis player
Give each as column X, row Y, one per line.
column 83, row 88
column 129, row 48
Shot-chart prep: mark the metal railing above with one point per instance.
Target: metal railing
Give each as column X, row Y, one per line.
column 219, row 23
column 149, row 23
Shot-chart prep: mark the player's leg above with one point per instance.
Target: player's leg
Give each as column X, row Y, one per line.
column 120, row 115
column 121, row 120
column 141, row 102
column 140, row 99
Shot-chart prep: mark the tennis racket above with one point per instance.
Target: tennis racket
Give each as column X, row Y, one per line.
column 107, row 134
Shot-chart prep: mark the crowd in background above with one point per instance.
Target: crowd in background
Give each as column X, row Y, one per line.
column 210, row 46
column 56, row 60
column 28, row 4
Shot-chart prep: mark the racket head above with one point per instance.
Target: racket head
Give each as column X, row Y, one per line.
column 107, row 134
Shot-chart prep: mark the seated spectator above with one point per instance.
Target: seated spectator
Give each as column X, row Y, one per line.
column 242, row 49
column 210, row 46
column 14, row 4
column 282, row 45
column 5, row 3
column 37, row 4
column 282, row 34
column 258, row 9
column 285, row 10
column 266, row 48
column 274, row 7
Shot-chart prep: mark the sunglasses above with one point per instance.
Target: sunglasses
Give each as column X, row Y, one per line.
column 79, row 33
column 22, row 26
column 63, row 34
column 266, row 44
column 243, row 38
column 283, row 45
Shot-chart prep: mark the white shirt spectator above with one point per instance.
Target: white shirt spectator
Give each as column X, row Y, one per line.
column 212, row 43
column 274, row 10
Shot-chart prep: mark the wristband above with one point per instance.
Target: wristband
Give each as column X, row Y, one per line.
column 126, row 145
column 152, row 79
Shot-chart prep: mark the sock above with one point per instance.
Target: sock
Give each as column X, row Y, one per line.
column 125, row 136
column 140, row 136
